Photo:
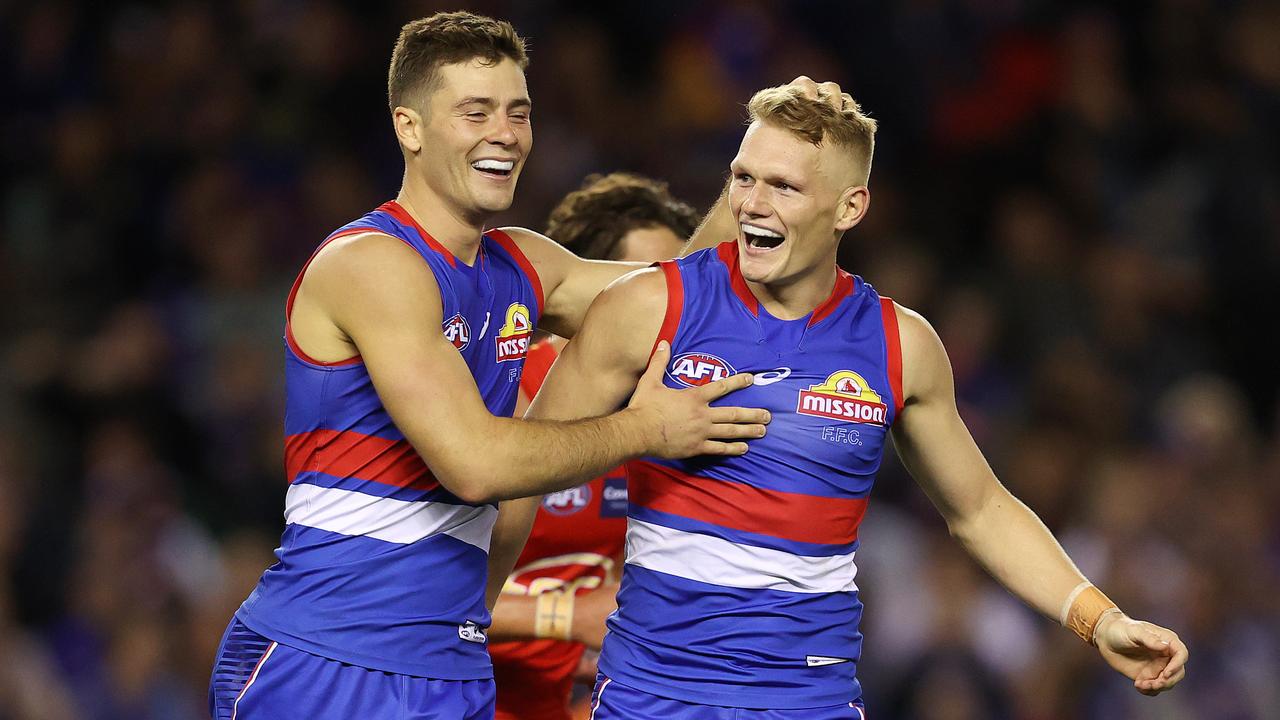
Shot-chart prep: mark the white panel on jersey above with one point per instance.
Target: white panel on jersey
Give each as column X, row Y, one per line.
column 708, row 559
column 398, row 521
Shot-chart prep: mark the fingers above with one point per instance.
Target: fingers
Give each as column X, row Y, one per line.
column 657, row 365
column 713, row 447
column 807, row 86
column 720, row 388
column 739, row 415
column 726, row 431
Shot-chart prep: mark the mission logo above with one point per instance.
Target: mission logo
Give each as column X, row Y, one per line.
column 513, row 338
column 457, row 331
column 844, row 396
column 696, row 369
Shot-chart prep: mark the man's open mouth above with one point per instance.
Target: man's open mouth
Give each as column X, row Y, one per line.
column 494, row 168
column 760, row 238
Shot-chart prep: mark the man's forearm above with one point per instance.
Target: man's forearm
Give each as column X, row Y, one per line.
column 1011, row 542
column 510, row 533
column 519, row 458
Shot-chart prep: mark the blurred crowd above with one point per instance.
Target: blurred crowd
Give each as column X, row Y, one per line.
column 1083, row 198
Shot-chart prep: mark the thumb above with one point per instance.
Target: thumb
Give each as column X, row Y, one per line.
column 657, row 364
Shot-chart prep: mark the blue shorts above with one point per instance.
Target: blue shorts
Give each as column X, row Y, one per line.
column 257, row 679
column 613, row 701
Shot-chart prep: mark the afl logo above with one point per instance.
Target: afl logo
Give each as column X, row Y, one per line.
column 457, row 331
column 567, row 502
column 696, row 369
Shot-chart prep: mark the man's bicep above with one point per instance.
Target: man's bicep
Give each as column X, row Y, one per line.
column 598, row 370
column 931, row 438
column 385, row 298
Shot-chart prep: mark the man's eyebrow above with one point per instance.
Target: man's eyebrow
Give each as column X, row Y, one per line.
column 489, row 102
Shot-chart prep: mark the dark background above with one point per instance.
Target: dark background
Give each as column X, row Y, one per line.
column 1084, row 199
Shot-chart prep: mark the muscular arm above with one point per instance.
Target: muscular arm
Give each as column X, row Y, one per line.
column 997, row 529
column 594, row 375
column 379, row 294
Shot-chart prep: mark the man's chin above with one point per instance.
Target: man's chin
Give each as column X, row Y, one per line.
column 759, row 270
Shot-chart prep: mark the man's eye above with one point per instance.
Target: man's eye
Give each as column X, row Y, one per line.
column 742, row 178
column 520, row 117
column 476, row 116
column 785, row 187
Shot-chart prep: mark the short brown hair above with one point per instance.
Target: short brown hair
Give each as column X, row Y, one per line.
column 814, row 120
column 592, row 220
column 442, row 39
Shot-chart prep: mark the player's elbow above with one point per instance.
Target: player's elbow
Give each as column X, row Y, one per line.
column 468, row 484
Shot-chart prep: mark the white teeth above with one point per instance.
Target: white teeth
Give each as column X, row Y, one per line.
column 761, row 232
column 500, row 165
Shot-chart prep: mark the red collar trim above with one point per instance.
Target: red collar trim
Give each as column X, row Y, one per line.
column 395, row 210
column 728, row 253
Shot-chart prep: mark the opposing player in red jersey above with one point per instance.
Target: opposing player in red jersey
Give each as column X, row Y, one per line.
column 555, row 602
column 738, row 590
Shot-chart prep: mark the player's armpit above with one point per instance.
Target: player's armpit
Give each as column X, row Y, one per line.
column 570, row 283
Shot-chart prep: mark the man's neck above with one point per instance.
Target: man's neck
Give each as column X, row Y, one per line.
column 461, row 235
column 799, row 297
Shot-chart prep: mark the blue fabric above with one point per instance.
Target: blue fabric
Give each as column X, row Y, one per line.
column 616, row 701
column 290, row 683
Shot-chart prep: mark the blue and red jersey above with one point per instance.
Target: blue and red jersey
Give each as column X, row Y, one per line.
column 379, row 565
column 738, row 588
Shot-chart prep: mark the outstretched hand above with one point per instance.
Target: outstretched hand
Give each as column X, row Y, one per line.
column 682, row 423
column 1152, row 656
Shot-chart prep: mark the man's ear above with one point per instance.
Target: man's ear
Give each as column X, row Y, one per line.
column 854, row 203
column 408, row 123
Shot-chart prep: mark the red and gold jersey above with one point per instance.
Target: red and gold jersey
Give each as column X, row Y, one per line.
column 575, row 542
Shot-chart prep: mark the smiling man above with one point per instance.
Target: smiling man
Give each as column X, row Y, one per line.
column 405, row 336
column 738, row 589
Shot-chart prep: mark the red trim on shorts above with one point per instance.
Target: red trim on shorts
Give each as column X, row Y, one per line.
column 293, row 293
column 397, row 211
column 893, row 352
column 522, row 260
column 345, row 453
column 843, row 289
column 675, row 305
column 728, row 253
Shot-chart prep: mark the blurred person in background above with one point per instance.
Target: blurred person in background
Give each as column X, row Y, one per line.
column 405, row 335
column 738, row 589
column 553, row 606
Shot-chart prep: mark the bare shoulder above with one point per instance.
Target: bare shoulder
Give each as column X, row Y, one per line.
column 372, row 269
column 640, row 293
column 925, row 366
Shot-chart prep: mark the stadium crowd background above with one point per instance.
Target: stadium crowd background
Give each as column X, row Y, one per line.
column 1084, row 199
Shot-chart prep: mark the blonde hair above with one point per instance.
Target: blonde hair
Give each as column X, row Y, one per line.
column 816, row 121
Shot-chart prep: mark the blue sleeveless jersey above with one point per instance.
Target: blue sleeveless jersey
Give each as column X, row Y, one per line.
column 380, row 566
column 738, row 588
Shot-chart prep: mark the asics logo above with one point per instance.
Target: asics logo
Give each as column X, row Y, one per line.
column 770, row 377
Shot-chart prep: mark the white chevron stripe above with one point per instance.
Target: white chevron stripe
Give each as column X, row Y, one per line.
column 712, row 560
column 398, row 521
